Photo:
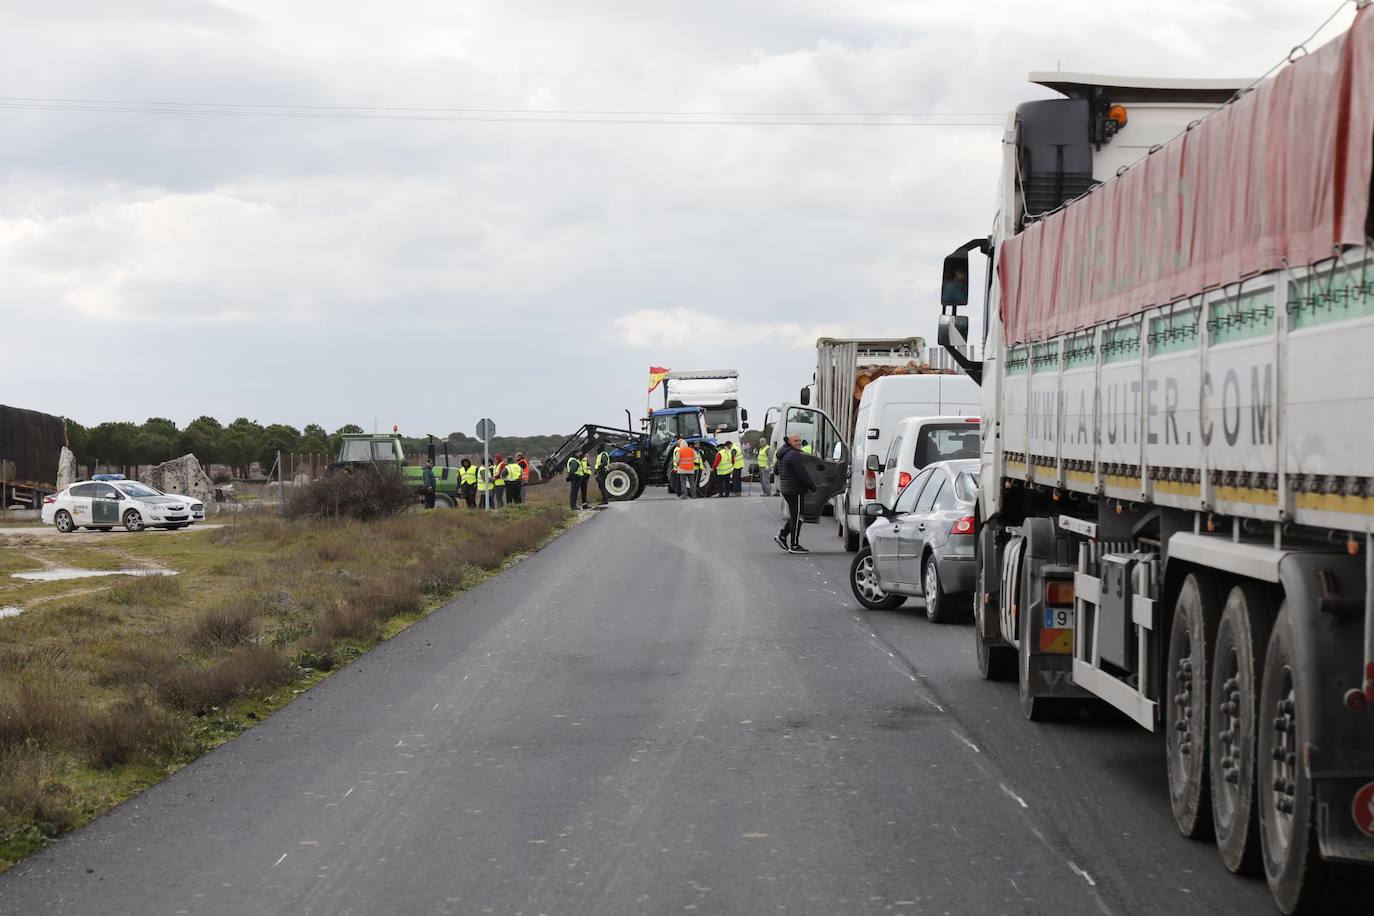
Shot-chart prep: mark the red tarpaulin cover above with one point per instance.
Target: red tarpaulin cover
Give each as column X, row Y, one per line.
column 1280, row 176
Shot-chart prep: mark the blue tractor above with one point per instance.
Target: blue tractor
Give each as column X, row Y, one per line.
column 638, row 459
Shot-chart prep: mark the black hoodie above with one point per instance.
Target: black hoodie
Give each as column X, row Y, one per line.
column 791, row 470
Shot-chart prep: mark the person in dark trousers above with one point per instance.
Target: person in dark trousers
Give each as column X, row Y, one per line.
column 793, row 483
column 737, row 474
column 429, row 484
column 577, row 474
column 467, row 479
column 602, row 467
column 721, row 466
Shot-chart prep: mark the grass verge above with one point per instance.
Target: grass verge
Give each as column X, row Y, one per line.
column 107, row 689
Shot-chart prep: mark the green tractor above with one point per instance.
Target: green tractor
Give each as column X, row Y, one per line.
column 372, row 451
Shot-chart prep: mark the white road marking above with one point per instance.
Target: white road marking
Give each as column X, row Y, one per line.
column 349, row 792
column 1010, row 794
column 279, row 861
column 1083, row 874
column 966, row 741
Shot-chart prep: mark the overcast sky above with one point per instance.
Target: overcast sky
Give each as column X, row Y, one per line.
column 428, row 273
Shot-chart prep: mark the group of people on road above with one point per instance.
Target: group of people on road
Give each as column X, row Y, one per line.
column 499, row 482
column 727, row 470
column 580, row 470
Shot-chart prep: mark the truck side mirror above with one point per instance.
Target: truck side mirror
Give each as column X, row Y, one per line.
column 954, row 280
column 744, row 426
column 873, row 464
column 743, row 415
column 953, row 331
column 805, row 398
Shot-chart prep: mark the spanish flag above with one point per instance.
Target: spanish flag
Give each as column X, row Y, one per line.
column 656, row 374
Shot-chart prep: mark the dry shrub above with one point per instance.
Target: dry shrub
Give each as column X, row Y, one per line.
column 139, row 666
column 19, row 658
column 364, row 494
column 346, row 621
column 28, row 790
column 114, row 735
column 339, row 549
column 85, row 613
column 147, row 591
column 36, row 708
column 251, row 668
column 223, row 627
column 389, row 593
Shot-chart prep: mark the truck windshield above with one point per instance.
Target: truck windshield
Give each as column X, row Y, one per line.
column 945, row 442
column 727, row 417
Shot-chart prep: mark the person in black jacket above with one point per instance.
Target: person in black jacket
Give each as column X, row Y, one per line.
column 793, row 483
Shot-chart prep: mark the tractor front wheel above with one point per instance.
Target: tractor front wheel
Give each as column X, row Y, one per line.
column 622, row 482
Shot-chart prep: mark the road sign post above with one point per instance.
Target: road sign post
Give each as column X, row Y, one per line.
column 486, row 431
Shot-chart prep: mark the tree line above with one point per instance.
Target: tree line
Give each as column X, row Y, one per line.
column 237, row 445
column 243, row 442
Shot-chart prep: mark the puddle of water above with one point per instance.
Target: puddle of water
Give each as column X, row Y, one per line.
column 9, row 611
column 63, row 574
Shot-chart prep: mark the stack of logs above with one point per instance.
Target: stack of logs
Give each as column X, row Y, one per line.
column 865, row 374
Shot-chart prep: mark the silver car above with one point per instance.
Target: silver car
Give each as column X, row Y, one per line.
column 923, row 546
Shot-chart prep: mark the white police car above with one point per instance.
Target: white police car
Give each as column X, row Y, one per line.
column 104, row 504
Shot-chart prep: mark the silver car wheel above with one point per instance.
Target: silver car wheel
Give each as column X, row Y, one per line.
column 866, row 580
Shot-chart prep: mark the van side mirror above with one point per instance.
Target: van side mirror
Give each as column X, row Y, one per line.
column 873, row 464
column 954, row 280
column 953, row 331
column 805, row 398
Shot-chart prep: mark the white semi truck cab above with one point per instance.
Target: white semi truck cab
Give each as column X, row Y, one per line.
column 716, row 391
column 1177, row 505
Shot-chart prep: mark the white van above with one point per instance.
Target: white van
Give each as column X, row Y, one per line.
column 886, row 402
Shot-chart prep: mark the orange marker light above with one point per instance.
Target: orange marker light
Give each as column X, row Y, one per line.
column 1117, row 113
column 1059, row 594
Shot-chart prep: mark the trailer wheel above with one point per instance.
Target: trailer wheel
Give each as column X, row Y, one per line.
column 1186, row 696
column 1237, row 667
column 443, row 501
column 995, row 663
column 622, row 482
column 1297, row 875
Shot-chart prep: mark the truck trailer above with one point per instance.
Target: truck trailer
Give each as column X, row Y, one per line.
column 1176, row 515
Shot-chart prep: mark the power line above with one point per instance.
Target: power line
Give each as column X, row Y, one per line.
column 514, row 116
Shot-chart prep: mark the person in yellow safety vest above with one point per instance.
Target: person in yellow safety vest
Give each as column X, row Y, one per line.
column 577, row 473
column 766, row 468
column 686, row 462
column 723, row 464
column 483, row 486
column 601, row 467
column 736, row 469
column 806, row 448
column 467, row 480
column 499, row 479
column 514, row 491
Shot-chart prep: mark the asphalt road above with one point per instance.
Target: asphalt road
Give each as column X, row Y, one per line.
column 658, row 713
